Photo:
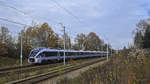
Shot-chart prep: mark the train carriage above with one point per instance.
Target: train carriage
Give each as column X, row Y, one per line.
column 40, row 55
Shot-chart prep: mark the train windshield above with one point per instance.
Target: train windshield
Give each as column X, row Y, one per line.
column 33, row 53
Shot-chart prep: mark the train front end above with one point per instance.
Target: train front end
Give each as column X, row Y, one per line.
column 33, row 58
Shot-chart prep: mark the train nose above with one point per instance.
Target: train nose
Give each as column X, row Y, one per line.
column 31, row 59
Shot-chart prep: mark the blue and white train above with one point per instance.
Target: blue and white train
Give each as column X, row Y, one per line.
column 40, row 55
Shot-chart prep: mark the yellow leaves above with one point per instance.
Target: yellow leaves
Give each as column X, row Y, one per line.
column 40, row 36
column 132, row 79
column 3, row 50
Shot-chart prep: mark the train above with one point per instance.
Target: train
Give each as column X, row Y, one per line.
column 43, row 55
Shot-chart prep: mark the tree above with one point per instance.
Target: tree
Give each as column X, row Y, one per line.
column 139, row 33
column 7, row 42
column 94, row 42
column 59, row 42
column 146, row 38
column 142, row 34
column 68, row 41
column 88, row 42
column 39, row 36
column 81, row 41
column 138, row 39
column 5, row 34
column 3, row 51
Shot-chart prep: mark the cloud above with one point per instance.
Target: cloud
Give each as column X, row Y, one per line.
column 115, row 19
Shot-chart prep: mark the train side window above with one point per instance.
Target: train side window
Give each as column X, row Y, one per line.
column 53, row 53
column 75, row 53
column 48, row 54
column 58, row 53
column 61, row 53
column 68, row 54
column 71, row 53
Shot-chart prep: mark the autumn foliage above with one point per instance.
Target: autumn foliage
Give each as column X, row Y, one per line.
column 127, row 67
column 42, row 35
column 3, row 51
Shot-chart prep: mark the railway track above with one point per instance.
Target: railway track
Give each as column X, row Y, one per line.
column 42, row 77
column 28, row 68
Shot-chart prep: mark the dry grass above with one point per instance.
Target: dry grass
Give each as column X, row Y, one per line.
column 6, row 62
column 127, row 67
column 16, row 76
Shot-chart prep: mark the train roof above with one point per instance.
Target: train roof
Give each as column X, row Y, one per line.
column 57, row 50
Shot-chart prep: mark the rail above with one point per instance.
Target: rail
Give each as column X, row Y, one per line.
column 38, row 78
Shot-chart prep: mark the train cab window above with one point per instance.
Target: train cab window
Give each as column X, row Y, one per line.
column 41, row 55
column 33, row 53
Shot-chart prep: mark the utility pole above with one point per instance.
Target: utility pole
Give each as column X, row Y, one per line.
column 21, row 49
column 21, row 56
column 18, row 23
column 107, row 48
column 111, row 51
column 64, row 30
column 107, row 51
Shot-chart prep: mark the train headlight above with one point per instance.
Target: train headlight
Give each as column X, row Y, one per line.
column 31, row 59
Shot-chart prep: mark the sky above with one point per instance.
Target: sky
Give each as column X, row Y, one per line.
column 113, row 20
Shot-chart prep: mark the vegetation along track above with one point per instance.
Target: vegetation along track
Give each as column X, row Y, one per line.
column 27, row 68
column 42, row 77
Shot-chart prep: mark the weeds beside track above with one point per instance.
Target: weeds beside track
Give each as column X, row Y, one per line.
column 63, row 70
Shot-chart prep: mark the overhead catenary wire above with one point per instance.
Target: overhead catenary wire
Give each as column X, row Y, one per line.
column 11, row 21
column 66, row 10
column 18, row 10
column 22, row 12
column 69, row 12
column 14, row 8
column 31, row 16
column 21, row 56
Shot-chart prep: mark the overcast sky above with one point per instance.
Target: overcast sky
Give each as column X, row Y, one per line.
column 114, row 20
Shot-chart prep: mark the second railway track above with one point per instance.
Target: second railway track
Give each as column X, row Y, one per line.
column 44, row 76
column 22, row 69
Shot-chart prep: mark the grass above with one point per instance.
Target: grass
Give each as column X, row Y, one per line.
column 6, row 62
column 14, row 76
column 127, row 67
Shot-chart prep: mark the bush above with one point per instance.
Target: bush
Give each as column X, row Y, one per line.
column 127, row 67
